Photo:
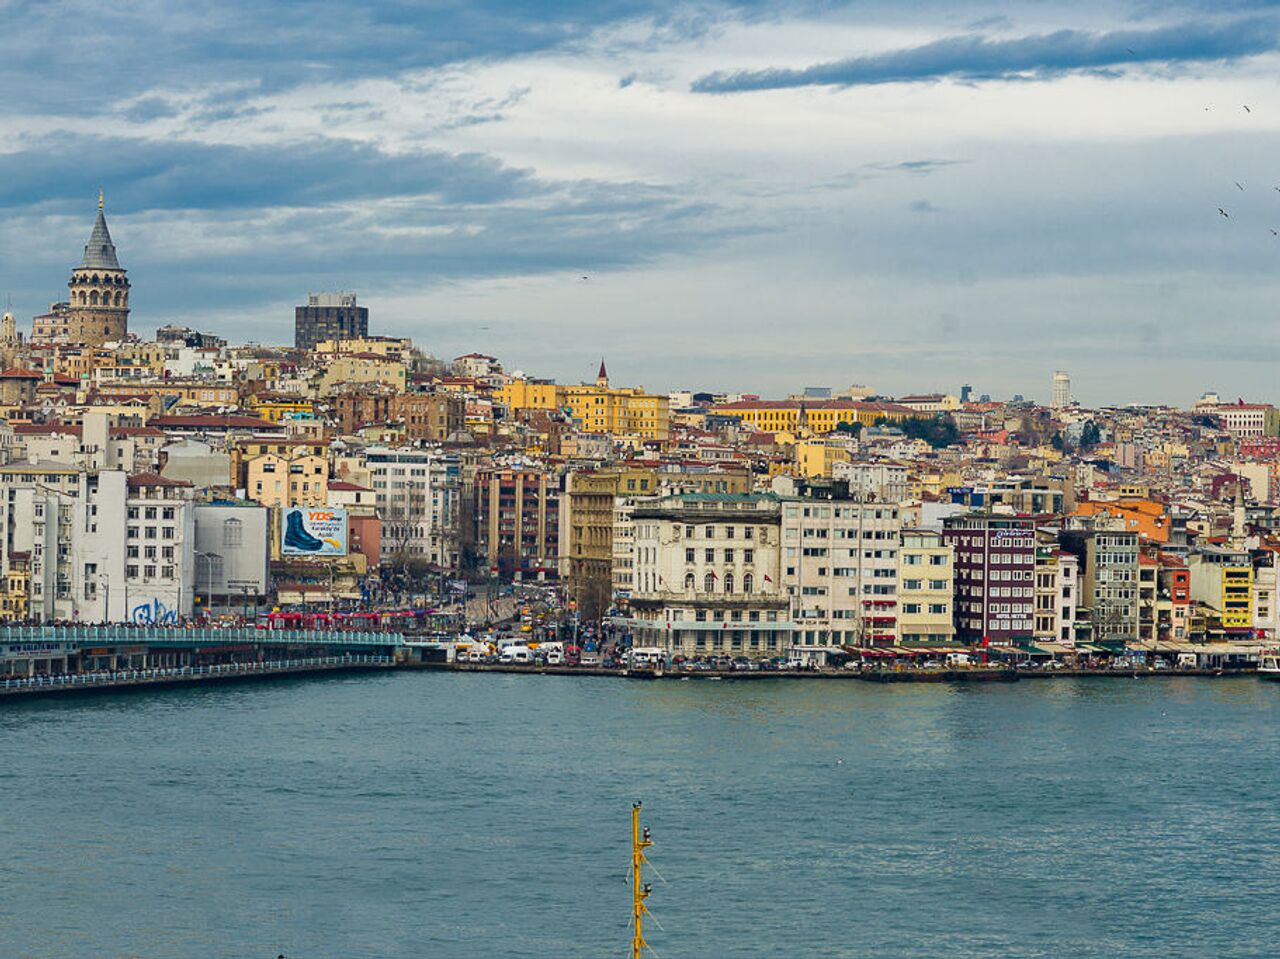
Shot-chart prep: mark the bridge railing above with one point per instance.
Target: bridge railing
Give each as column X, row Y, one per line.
column 124, row 677
column 196, row 636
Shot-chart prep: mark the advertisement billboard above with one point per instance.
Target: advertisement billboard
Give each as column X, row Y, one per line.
column 313, row 531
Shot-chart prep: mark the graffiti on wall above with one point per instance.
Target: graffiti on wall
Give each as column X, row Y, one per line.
column 153, row 613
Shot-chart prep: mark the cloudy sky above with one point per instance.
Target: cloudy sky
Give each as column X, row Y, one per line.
column 761, row 196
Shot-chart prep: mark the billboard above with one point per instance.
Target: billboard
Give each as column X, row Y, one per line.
column 313, row 531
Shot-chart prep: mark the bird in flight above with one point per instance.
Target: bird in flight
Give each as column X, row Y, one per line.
column 1275, row 232
column 1246, row 108
column 1225, row 214
column 586, row 277
column 1238, row 186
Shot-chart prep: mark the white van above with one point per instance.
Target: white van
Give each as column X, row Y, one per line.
column 957, row 659
column 647, row 656
column 519, row 655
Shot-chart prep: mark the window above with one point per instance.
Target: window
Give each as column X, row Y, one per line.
column 938, row 559
column 709, row 583
column 688, row 556
column 728, row 556
column 938, row 608
column 911, row 559
column 688, row 580
column 232, row 533
column 747, row 582
column 911, row 607
column 709, row 555
column 728, row 582
column 748, row 556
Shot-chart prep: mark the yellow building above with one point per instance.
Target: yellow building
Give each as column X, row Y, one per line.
column 362, row 368
column 277, row 407
column 388, row 347
column 1223, row 580
column 814, row 458
column 17, row 588
column 276, row 480
column 599, row 407
column 817, row 416
column 926, row 584
column 525, row 394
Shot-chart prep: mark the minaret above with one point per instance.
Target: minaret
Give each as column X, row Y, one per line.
column 1238, row 516
column 99, row 304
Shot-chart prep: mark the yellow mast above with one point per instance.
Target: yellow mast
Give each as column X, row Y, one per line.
column 639, row 892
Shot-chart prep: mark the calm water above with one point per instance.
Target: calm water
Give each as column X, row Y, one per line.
column 429, row 815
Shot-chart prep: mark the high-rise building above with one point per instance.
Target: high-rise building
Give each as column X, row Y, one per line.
column 995, row 560
column 329, row 316
column 97, row 311
column 1061, row 391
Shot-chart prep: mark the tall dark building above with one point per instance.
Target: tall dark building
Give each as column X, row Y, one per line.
column 329, row 316
column 995, row 576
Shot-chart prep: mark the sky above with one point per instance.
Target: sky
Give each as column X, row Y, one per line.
column 739, row 196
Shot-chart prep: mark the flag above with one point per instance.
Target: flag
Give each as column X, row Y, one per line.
column 768, row 578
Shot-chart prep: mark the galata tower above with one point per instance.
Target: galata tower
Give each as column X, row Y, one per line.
column 99, row 305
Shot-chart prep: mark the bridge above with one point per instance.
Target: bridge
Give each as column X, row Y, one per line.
column 77, row 636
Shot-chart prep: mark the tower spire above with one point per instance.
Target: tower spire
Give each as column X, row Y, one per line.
column 99, row 199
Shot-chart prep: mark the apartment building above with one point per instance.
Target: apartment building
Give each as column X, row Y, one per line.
column 995, row 576
column 926, row 588
column 706, row 577
column 417, row 496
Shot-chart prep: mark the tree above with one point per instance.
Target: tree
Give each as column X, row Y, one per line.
column 1090, row 435
column 938, row 431
column 1058, row 442
column 855, row 427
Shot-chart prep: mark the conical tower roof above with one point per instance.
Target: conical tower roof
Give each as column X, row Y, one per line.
column 100, row 252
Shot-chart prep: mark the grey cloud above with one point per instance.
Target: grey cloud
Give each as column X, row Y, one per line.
column 974, row 57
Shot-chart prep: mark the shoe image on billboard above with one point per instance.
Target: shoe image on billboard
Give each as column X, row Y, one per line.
column 296, row 537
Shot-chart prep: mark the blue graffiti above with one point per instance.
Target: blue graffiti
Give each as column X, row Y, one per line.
column 154, row 613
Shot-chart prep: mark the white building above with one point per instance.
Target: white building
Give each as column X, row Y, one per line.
column 70, row 524
column 839, row 568
column 706, row 580
column 1061, row 398
column 417, row 495
column 232, row 548
column 884, row 481
column 161, row 576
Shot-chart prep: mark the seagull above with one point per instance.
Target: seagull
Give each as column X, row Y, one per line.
column 1224, row 213
column 586, row 277
column 1237, row 183
column 1130, row 51
column 1246, row 108
column 1275, row 232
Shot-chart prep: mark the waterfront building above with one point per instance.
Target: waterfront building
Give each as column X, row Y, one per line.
column 706, row 579
column 329, row 316
column 1056, row 594
column 926, row 588
column 231, row 551
column 1222, row 580
column 995, row 565
column 839, row 566
column 160, row 548
column 67, row 526
column 1109, row 579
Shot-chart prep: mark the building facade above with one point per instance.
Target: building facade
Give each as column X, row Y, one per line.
column 329, row 316
column 995, row 577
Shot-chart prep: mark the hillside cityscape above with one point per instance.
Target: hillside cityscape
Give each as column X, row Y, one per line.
column 184, row 479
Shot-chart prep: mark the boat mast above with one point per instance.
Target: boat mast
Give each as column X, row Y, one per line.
column 640, row 841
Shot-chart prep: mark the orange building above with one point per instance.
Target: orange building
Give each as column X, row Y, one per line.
column 1146, row 517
